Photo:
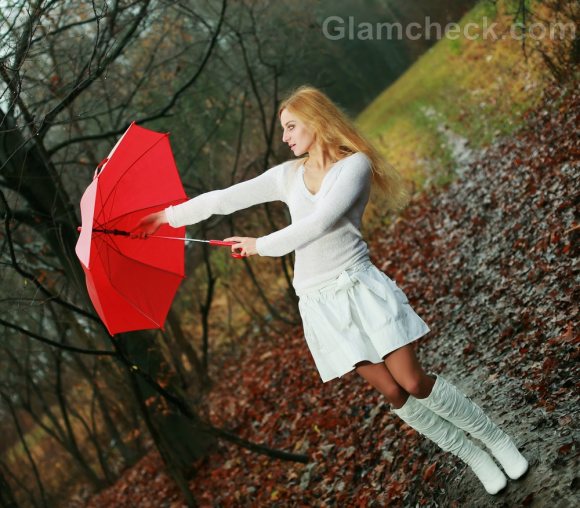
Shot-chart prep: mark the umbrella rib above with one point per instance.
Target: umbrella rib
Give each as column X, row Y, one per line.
column 109, row 221
column 114, row 246
column 128, row 168
column 109, row 240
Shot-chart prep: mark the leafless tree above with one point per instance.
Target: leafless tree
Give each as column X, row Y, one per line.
column 73, row 75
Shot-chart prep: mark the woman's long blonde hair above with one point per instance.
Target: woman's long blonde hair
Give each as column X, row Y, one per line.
column 339, row 138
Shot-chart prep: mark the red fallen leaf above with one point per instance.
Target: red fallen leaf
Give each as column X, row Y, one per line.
column 549, row 364
column 428, row 473
column 561, row 391
column 362, row 503
column 565, row 204
column 565, row 449
column 150, row 400
column 379, row 469
column 469, row 348
column 395, row 489
column 541, row 202
column 568, row 335
column 506, row 332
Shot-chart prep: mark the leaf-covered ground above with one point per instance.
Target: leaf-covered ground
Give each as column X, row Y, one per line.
column 491, row 264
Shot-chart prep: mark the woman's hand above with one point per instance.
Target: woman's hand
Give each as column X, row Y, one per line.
column 148, row 225
column 246, row 246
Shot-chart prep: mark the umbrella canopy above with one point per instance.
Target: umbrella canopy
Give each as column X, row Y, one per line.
column 130, row 281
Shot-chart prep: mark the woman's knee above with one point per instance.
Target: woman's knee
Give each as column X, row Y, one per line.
column 380, row 378
column 395, row 394
column 417, row 384
column 405, row 368
column 413, row 385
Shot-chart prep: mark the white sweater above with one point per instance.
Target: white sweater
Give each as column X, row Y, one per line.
column 325, row 228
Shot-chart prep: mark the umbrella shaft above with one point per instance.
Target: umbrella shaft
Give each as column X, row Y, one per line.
column 126, row 233
column 176, row 238
column 111, row 231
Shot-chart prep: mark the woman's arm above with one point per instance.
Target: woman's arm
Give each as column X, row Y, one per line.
column 349, row 185
column 263, row 188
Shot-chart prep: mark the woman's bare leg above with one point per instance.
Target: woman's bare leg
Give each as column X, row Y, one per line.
column 407, row 372
column 404, row 363
column 379, row 376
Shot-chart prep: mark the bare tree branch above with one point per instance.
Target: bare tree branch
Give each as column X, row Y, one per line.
column 29, row 276
column 83, row 84
column 59, row 345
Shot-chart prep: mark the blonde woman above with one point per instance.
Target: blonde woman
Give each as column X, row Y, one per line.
column 354, row 316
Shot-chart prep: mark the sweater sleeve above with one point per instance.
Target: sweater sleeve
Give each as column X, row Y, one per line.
column 349, row 185
column 263, row 188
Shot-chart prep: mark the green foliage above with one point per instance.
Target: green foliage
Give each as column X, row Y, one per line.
column 478, row 88
column 455, row 46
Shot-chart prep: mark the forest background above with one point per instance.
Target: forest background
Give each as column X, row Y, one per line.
column 80, row 411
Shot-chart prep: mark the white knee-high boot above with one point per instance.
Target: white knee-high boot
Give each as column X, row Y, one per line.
column 450, row 403
column 453, row 440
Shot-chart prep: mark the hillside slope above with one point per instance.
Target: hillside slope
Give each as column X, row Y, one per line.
column 470, row 90
column 491, row 263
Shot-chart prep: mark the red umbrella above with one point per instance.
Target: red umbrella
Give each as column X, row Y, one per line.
column 132, row 282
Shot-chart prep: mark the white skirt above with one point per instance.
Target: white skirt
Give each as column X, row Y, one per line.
column 360, row 315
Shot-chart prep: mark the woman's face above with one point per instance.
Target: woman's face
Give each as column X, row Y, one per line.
column 300, row 139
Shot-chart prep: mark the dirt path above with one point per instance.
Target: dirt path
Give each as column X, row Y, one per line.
column 502, row 260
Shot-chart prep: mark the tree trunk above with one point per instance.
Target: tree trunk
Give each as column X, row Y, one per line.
column 165, row 451
column 182, row 441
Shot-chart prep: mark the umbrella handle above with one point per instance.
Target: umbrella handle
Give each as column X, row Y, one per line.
column 227, row 244
column 222, row 242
